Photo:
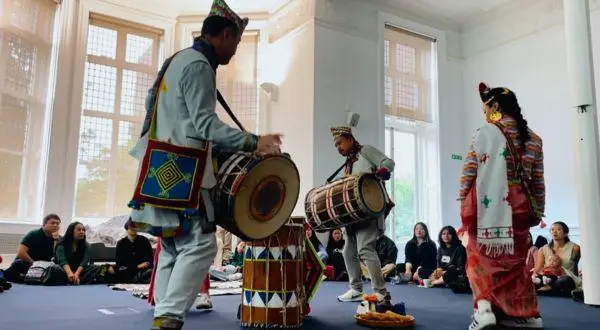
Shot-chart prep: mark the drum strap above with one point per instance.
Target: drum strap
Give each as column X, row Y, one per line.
column 329, row 179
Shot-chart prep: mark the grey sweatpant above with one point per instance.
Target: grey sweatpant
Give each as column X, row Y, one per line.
column 361, row 244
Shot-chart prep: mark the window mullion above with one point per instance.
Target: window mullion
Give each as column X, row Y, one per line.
column 114, row 149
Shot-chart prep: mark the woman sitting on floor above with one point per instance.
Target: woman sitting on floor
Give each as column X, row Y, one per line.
column 314, row 240
column 569, row 254
column 532, row 254
column 335, row 258
column 72, row 255
column 451, row 259
column 420, row 256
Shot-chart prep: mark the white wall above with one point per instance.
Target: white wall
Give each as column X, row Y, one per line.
column 533, row 64
column 290, row 64
column 345, row 76
column 347, row 69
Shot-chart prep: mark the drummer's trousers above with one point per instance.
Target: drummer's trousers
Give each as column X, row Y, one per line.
column 183, row 264
column 361, row 246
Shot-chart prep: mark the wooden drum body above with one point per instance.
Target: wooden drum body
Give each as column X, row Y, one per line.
column 255, row 195
column 345, row 201
column 273, row 293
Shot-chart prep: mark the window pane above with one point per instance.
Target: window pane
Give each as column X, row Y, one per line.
column 14, row 124
column 404, row 182
column 407, row 94
column 386, row 54
column 135, row 88
column 99, row 87
column 139, row 49
column 238, row 84
column 20, row 66
column 127, row 166
column 106, row 173
column 93, row 166
column 388, row 91
column 102, row 42
column 26, row 45
column 408, row 60
column 405, row 59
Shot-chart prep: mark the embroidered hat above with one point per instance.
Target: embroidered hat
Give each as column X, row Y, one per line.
column 488, row 94
column 220, row 8
column 341, row 130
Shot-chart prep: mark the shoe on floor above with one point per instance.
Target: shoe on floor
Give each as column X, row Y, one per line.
column 166, row 323
column 351, row 295
column 522, row 322
column 483, row 317
column 4, row 284
column 204, row 301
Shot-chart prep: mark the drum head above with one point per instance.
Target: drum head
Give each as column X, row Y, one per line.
column 267, row 197
column 372, row 194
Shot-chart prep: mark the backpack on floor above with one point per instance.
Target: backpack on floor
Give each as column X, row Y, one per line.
column 45, row 273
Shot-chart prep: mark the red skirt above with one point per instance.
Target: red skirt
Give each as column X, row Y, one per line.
column 504, row 280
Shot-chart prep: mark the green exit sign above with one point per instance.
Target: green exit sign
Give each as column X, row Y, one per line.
column 456, row 157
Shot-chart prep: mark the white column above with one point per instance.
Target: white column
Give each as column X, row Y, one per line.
column 587, row 160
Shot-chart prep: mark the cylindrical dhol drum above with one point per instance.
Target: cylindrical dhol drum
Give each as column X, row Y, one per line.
column 345, row 201
column 273, row 289
column 255, row 195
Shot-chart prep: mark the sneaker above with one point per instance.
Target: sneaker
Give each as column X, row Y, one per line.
column 351, row 295
column 166, row 323
column 204, row 301
column 522, row 322
column 483, row 317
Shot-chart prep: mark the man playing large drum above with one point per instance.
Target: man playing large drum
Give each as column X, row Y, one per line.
column 361, row 237
column 174, row 153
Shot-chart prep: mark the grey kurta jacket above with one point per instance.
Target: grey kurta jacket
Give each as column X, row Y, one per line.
column 186, row 117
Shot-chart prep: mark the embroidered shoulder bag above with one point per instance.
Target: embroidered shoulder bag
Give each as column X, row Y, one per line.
column 170, row 176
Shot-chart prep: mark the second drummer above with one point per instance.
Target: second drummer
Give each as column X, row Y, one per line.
column 361, row 237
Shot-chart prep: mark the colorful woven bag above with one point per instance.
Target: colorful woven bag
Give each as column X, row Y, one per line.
column 170, row 175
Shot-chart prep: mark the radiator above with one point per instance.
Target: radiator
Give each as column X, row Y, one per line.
column 9, row 243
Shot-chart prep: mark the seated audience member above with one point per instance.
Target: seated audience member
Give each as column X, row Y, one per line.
column 532, row 254
column 237, row 258
column 72, row 255
column 335, row 258
column 225, row 238
column 37, row 245
column 233, row 270
column 540, row 242
column 314, row 240
column 4, row 284
column 387, row 251
column 564, row 278
column 134, row 257
column 420, row 256
column 451, row 258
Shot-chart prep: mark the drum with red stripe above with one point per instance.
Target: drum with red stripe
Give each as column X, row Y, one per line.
column 274, row 293
column 346, row 201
